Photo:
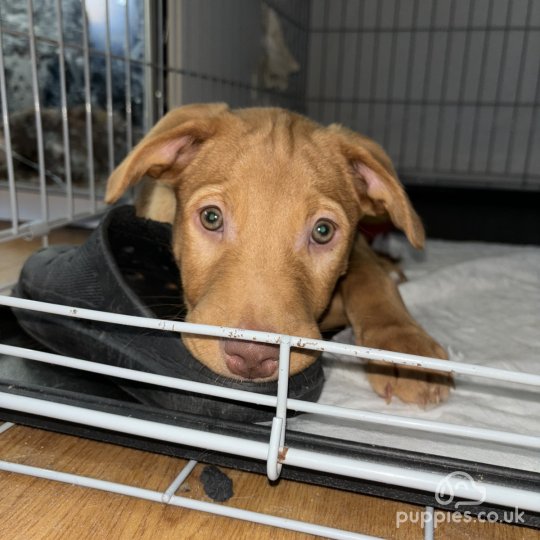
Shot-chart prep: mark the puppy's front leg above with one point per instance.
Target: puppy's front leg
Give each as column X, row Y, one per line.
column 380, row 320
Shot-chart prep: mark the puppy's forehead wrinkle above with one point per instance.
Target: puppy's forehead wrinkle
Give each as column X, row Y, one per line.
column 284, row 134
column 278, row 130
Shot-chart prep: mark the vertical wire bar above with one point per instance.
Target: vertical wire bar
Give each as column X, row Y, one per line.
column 480, row 88
column 88, row 108
column 64, row 109
column 519, row 85
column 402, row 149
column 202, row 84
column 7, row 142
column 108, row 86
column 220, row 87
column 498, row 92
column 532, row 131
column 356, row 79
column 277, row 434
column 462, row 84
column 225, row 65
column 297, row 99
column 429, row 523
column 149, row 116
column 226, row 87
column 374, row 70
column 391, row 76
column 39, row 126
column 441, row 124
column 283, row 377
column 127, row 74
column 174, row 54
column 306, row 47
column 341, row 61
column 160, row 75
column 5, row 426
column 324, row 49
column 178, row 481
column 425, row 86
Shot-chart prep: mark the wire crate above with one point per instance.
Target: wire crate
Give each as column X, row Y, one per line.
column 452, row 90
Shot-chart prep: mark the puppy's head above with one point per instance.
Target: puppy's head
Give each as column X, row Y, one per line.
column 267, row 207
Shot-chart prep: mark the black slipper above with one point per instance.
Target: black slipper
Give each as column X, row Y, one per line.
column 126, row 266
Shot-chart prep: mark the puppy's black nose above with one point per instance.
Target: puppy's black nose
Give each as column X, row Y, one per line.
column 251, row 360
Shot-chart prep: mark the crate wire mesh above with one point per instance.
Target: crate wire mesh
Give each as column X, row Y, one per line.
column 365, row 69
column 450, row 89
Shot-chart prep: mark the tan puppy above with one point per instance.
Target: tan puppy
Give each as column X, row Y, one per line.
column 265, row 206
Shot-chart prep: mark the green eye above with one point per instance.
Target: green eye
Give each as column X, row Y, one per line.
column 323, row 231
column 211, row 218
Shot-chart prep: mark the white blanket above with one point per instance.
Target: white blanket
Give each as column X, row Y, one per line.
column 482, row 302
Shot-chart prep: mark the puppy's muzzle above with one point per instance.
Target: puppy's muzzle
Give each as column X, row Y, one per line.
column 250, row 360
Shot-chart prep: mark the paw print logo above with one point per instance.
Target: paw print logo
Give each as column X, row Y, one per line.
column 466, row 485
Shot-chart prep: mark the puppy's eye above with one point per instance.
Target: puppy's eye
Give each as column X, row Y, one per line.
column 211, row 218
column 323, row 231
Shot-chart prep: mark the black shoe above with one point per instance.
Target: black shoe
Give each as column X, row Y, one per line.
column 126, row 266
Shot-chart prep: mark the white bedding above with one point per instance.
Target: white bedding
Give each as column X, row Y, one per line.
column 482, row 302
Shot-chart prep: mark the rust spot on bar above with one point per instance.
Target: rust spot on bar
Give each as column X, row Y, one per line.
column 282, row 455
column 309, row 344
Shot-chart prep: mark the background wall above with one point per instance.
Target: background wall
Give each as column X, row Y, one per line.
column 223, row 49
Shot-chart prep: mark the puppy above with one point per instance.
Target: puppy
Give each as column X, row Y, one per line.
column 265, row 206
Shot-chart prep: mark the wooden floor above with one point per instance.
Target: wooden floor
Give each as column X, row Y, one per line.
column 35, row 509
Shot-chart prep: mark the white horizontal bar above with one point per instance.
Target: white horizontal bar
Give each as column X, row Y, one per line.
column 140, row 376
column 135, row 426
column 37, row 228
column 504, row 437
column 190, row 504
column 345, row 466
column 269, row 337
column 412, row 478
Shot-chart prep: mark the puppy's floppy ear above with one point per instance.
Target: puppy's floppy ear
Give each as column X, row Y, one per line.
column 167, row 149
column 377, row 186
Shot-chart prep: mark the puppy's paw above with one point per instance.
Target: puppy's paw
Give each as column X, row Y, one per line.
column 423, row 387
